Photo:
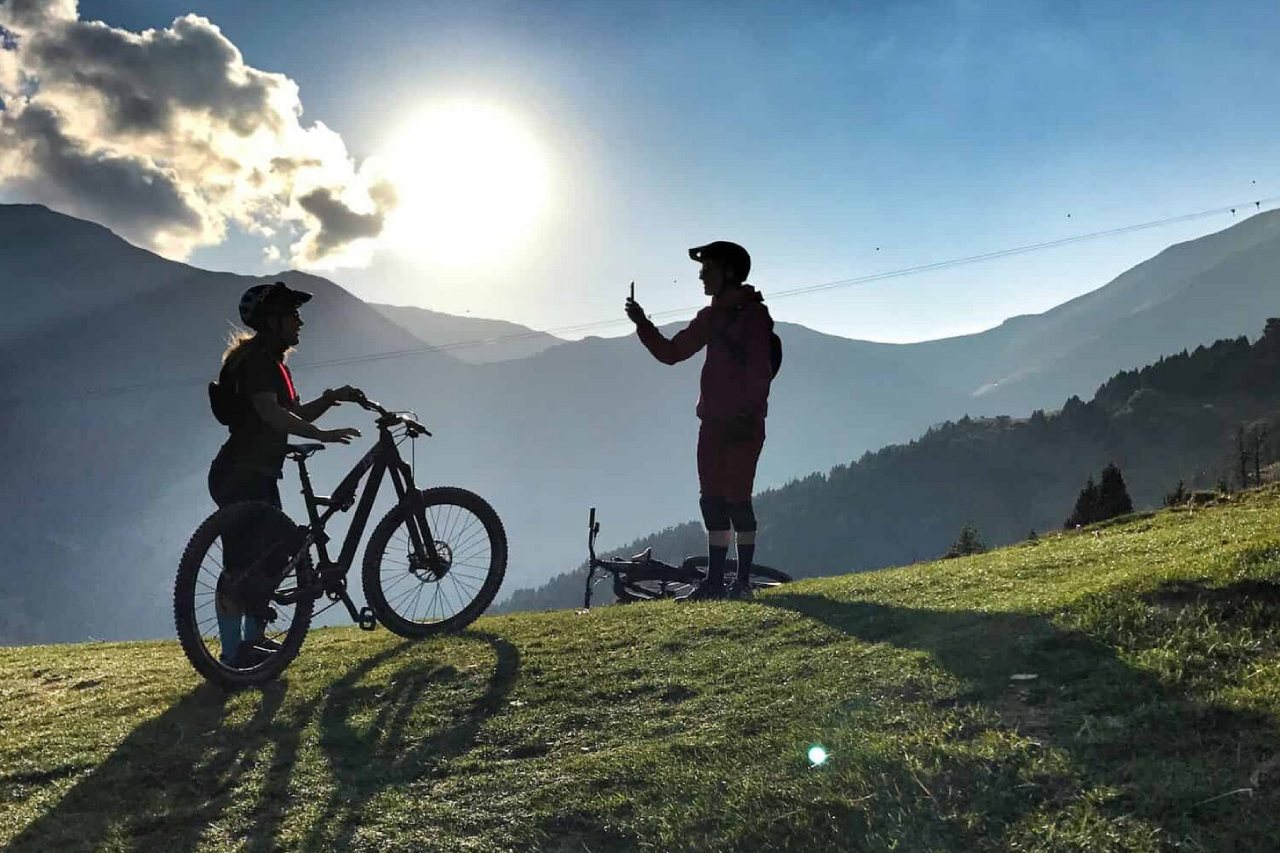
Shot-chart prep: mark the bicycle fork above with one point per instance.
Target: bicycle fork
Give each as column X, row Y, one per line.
column 420, row 537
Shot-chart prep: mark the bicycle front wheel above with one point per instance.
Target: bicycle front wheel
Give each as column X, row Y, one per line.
column 411, row 599
column 223, row 643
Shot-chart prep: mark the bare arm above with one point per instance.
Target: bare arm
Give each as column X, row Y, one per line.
column 313, row 409
column 278, row 418
column 330, row 398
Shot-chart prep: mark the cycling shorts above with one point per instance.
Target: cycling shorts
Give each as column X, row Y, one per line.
column 727, row 457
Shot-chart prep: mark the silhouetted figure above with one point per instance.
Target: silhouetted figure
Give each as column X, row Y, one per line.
column 261, row 407
column 736, row 330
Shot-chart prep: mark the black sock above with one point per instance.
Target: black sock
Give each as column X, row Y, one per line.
column 715, row 563
column 746, row 553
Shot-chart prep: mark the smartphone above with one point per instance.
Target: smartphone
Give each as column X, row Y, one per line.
column 633, row 291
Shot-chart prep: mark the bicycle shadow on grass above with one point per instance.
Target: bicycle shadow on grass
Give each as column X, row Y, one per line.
column 374, row 741
column 165, row 783
column 1119, row 726
column 176, row 777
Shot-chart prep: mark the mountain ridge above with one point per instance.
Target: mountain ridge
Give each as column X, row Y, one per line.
column 585, row 422
column 477, row 340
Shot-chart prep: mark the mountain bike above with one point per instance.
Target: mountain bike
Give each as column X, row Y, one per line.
column 643, row 578
column 432, row 564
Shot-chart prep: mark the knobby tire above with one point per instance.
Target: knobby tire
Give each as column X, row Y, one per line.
column 385, row 596
column 761, row 577
column 188, row 585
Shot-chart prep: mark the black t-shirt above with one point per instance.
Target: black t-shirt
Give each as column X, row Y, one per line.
column 253, row 445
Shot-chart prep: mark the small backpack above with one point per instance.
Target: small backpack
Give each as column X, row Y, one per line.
column 229, row 406
column 775, row 350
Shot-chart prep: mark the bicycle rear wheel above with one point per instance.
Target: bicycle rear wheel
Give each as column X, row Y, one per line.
column 201, row 578
column 406, row 595
column 691, row 572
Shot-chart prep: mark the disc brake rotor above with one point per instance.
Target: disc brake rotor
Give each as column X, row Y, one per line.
column 418, row 566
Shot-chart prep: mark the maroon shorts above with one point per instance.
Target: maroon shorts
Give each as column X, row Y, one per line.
column 727, row 457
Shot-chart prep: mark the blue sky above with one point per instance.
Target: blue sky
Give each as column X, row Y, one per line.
column 832, row 139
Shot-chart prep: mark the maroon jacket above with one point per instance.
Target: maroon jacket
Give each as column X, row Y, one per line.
column 735, row 330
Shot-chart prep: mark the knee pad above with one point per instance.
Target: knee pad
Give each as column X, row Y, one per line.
column 743, row 516
column 715, row 513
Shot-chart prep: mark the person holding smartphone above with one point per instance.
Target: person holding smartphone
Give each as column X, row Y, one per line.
column 736, row 331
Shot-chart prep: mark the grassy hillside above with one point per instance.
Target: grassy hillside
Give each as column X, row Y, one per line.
column 1150, row 722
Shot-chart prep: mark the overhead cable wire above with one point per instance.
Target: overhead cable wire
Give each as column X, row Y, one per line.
column 679, row 312
column 1018, row 250
column 814, row 288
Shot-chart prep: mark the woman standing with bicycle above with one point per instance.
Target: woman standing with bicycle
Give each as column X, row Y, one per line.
column 256, row 398
column 742, row 358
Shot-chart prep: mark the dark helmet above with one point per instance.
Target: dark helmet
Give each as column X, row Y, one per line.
column 726, row 253
column 269, row 300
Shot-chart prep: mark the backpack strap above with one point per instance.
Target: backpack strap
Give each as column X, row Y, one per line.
column 288, row 382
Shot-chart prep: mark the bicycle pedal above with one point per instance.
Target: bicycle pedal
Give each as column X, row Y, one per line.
column 367, row 621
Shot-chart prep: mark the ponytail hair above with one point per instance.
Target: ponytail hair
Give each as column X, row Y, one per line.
column 236, row 338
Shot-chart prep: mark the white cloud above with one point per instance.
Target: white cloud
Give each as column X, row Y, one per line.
column 167, row 136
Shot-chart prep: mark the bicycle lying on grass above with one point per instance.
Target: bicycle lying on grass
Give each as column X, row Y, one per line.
column 642, row 578
column 445, row 545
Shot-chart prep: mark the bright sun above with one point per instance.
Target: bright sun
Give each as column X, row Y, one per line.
column 472, row 184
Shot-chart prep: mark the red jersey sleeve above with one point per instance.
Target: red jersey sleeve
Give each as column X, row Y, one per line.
column 684, row 344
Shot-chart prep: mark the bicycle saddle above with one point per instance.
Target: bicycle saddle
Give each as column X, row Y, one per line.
column 644, row 556
column 302, row 451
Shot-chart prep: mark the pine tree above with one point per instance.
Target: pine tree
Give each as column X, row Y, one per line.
column 969, row 542
column 1113, row 497
column 1088, row 506
column 1259, row 439
column 1242, row 456
column 1178, row 496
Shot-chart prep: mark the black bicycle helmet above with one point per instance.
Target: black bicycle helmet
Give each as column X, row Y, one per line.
column 268, row 300
column 725, row 252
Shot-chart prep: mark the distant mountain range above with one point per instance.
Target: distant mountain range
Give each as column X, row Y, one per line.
column 475, row 340
column 1218, row 286
column 105, row 349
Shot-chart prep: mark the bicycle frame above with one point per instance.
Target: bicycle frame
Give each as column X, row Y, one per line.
column 636, row 570
column 629, row 573
column 381, row 459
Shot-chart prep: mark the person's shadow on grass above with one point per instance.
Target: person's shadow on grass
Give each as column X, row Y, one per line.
column 1162, row 753
column 177, row 775
column 166, row 781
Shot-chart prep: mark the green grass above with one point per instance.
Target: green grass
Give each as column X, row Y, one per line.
column 1151, row 723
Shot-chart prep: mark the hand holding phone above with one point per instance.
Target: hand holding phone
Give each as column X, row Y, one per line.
column 634, row 312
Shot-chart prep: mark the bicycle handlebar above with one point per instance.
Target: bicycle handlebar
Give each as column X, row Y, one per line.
column 592, row 530
column 388, row 418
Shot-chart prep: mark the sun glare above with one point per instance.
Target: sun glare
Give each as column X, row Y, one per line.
column 472, row 183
